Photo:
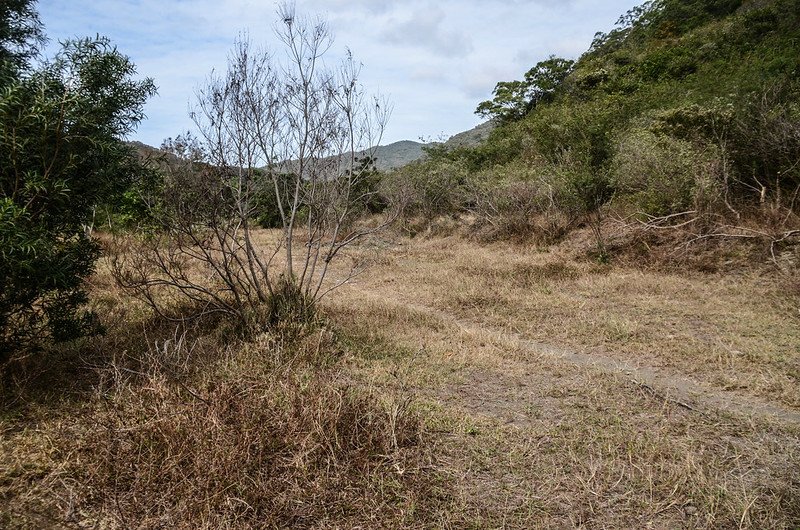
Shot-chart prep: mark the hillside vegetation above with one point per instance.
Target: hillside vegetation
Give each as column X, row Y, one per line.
column 685, row 115
column 242, row 329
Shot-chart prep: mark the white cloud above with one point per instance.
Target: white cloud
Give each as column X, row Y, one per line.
column 478, row 83
column 436, row 60
column 426, row 29
column 428, row 74
column 370, row 6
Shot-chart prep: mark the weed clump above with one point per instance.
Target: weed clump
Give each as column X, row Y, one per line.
column 257, row 438
column 250, row 454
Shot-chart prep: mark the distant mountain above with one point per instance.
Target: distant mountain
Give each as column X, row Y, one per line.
column 472, row 137
column 392, row 156
column 399, row 154
column 143, row 149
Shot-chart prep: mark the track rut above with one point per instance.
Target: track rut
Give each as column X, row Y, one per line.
column 670, row 386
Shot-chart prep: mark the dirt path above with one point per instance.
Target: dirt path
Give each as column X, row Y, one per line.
column 559, row 395
column 667, row 385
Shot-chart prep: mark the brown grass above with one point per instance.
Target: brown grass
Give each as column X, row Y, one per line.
column 192, row 428
column 247, row 447
column 537, row 443
column 392, row 413
column 300, row 450
column 532, row 441
column 732, row 331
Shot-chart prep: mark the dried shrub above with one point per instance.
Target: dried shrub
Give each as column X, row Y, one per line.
column 661, row 175
column 273, row 133
column 426, row 189
column 521, row 210
column 258, row 444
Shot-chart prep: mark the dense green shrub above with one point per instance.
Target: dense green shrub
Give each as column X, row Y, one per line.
column 365, row 196
column 267, row 211
column 504, row 145
column 61, row 156
column 676, row 17
column 765, row 143
column 684, row 105
column 21, row 36
column 428, row 188
column 695, row 123
column 661, row 175
column 669, row 62
column 581, row 131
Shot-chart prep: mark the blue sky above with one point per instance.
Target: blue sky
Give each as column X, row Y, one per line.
column 435, row 61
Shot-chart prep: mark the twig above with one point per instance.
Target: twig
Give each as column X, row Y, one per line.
column 655, row 393
column 774, row 242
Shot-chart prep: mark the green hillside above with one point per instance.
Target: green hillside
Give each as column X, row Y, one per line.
column 685, row 107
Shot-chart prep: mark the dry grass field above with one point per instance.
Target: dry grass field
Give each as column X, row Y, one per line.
column 449, row 385
column 570, row 394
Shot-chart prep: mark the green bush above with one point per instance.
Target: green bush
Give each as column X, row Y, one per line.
column 61, row 156
column 429, row 188
column 581, row 131
column 503, row 146
column 268, row 213
column 669, row 62
column 41, row 283
column 765, row 143
column 695, row 122
column 660, row 175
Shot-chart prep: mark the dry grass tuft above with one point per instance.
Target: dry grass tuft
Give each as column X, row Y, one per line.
column 303, row 451
column 263, row 440
column 192, row 427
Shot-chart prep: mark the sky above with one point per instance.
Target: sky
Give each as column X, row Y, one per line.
column 434, row 60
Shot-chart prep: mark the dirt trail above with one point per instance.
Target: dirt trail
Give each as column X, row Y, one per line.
column 670, row 386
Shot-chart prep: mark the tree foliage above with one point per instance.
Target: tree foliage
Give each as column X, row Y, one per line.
column 514, row 99
column 61, row 155
column 21, row 36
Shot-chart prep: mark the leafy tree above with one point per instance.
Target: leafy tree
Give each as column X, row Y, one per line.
column 515, row 99
column 61, row 155
column 20, row 37
column 546, row 77
column 510, row 102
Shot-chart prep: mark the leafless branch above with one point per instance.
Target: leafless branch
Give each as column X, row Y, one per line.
column 290, row 131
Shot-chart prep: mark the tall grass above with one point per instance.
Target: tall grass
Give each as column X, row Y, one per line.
column 196, row 433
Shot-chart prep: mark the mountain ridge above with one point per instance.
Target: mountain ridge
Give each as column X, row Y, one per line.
column 396, row 154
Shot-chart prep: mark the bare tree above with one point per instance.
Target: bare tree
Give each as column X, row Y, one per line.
column 290, row 127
